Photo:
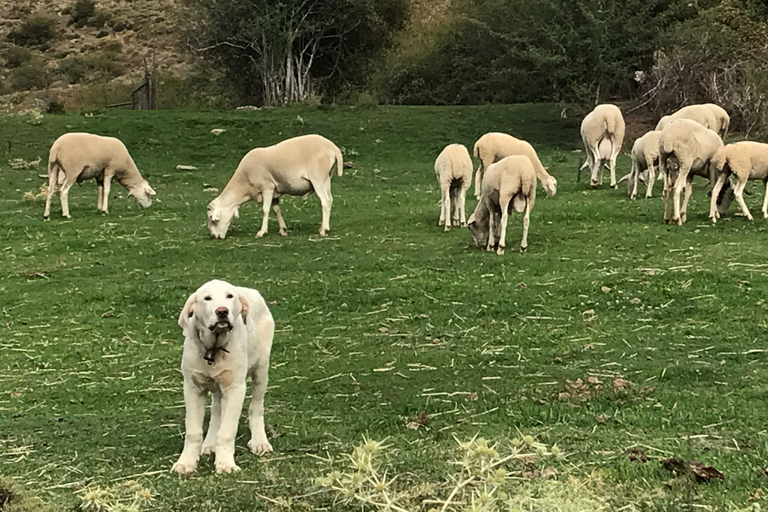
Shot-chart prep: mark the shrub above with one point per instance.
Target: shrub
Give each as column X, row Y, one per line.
column 15, row 56
column 37, row 30
column 74, row 69
column 82, row 11
column 55, row 107
column 29, row 76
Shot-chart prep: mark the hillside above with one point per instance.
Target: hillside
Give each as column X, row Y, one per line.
column 52, row 50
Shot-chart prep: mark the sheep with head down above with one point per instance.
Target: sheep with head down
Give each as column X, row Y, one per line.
column 708, row 115
column 453, row 168
column 76, row 157
column 509, row 184
column 747, row 160
column 494, row 146
column 687, row 149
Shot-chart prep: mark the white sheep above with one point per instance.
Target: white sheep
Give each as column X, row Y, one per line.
column 509, row 184
column 76, row 157
column 602, row 132
column 295, row 167
column 492, row 147
column 686, row 149
column 748, row 161
column 707, row 115
column 645, row 153
column 453, row 168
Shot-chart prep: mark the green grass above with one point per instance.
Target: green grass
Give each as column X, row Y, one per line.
column 383, row 319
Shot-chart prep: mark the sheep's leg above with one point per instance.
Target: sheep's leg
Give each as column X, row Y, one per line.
column 463, row 204
column 738, row 193
column 105, row 194
column 491, row 231
column 688, row 192
column 680, row 182
column 651, row 179
column 323, row 191
column 99, row 193
column 442, row 206
column 635, row 177
column 613, row 171
column 596, row 173
column 266, row 203
column 447, row 205
column 504, row 219
column 280, row 220
column 713, row 213
column 455, row 207
column 64, row 198
column 53, row 178
column 765, row 200
column 526, row 223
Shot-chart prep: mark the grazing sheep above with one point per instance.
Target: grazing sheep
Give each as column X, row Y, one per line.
column 296, row 167
column 602, row 132
column 492, row 147
column 76, row 157
column 707, row 115
column 454, row 172
column 645, row 152
column 686, row 149
column 509, row 184
column 748, row 161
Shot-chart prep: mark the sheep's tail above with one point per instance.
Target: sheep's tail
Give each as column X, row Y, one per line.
column 339, row 160
column 56, row 175
column 720, row 161
column 476, row 149
column 524, row 188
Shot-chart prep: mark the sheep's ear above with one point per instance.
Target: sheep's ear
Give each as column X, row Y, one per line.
column 151, row 191
column 625, row 177
column 186, row 313
column 244, row 307
column 237, row 212
column 213, row 213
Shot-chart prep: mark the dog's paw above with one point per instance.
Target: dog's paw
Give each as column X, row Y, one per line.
column 208, row 449
column 259, row 447
column 224, row 468
column 184, row 469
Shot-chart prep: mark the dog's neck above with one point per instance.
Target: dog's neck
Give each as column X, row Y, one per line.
column 211, row 343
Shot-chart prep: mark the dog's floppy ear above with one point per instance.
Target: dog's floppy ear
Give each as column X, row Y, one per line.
column 186, row 313
column 244, row 306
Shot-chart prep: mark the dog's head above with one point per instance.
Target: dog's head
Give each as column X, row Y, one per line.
column 216, row 306
column 219, row 219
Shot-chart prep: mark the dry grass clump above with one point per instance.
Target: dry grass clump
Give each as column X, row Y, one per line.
column 489, row 477
column 30, row 195
column 128, row 496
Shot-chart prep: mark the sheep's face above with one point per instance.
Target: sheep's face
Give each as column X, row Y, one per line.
column 219, row 219
column 478, row 224
column 550, row 186
column 143, row 194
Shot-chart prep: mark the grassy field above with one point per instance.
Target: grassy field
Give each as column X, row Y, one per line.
column 384, row 319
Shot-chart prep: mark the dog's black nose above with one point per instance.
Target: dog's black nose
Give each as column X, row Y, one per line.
column 222, row 312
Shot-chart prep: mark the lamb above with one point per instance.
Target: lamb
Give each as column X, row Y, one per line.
column 686, row 149
column 707, row 115
column 748, row 161
column 296, row 167
column 602, row 132
column 76, row 157
column 492, row 147
column 454, row 172
column 509, row 184
column 645, row 152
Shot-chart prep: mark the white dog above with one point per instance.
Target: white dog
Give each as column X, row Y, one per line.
column 228, row 334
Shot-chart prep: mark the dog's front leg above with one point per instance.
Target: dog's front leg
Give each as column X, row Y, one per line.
column 232, row 399
column 194, row 399
column 258, row 443
column 209, row 445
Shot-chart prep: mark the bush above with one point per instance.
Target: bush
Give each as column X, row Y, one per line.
column 74, row 69
column 32, row 75
column 55, row 107
column 82, row 11
column 717, row 57
column 15, row 56
column 37, row 30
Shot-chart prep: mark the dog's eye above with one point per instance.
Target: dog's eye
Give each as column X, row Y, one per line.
column 208, row 297
column 229, row 295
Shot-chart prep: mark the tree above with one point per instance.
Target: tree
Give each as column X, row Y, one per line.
column 280, row 51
